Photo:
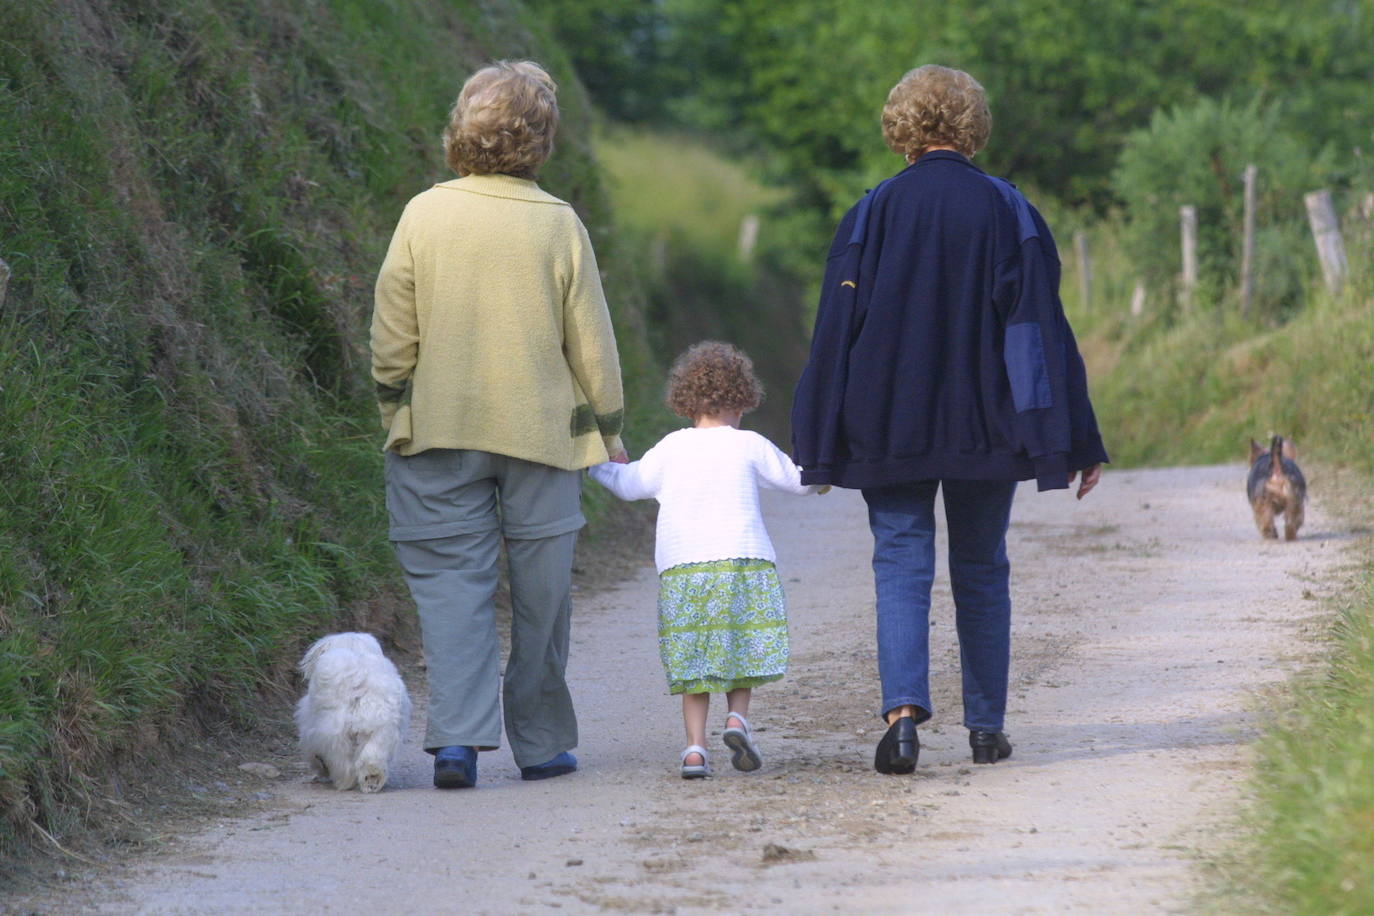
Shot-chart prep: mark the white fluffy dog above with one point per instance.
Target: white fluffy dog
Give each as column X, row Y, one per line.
column 354, row 715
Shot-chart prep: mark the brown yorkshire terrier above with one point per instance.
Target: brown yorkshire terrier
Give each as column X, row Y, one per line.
column 1276, row 486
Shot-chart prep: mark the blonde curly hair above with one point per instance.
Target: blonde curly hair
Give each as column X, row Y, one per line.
column 503, row 122
column 936, row 106
column 712, row 378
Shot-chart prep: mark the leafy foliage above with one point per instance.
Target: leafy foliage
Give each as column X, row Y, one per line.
column 1197, row 154
column 1068, row 84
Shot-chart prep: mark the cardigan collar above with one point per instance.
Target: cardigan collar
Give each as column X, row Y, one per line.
column 507, row 186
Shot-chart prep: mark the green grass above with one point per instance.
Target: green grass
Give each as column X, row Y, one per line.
column 667, row 186
column 1197, row 391
column 194, row 198
column 1312, row 850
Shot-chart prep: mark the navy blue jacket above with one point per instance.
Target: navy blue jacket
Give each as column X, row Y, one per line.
column 941, row 349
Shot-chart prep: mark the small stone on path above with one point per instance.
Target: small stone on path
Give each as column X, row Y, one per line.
column 265, row 770
column 773, row 854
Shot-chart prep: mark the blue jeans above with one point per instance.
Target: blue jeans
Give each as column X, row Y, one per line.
column 903, row 523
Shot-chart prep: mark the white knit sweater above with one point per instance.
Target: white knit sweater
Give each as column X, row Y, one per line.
column 706, row 481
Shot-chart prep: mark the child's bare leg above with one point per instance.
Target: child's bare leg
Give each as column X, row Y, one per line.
column 738, row 701
column 695, row 706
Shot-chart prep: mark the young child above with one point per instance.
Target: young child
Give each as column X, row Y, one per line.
column 722, row 624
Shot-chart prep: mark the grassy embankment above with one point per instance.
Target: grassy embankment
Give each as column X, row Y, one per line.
column 193, row 199
column 1195, row 392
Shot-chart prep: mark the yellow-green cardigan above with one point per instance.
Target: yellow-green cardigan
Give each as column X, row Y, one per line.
column 491, row 330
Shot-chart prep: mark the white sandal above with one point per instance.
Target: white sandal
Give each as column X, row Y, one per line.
column 740, row 741
column 695, row 771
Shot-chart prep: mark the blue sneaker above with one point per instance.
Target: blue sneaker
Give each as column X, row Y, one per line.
column 561, row 765
column 455, row 767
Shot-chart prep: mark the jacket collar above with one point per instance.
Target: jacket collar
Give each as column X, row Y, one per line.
column 507, row 186
column 943, row 155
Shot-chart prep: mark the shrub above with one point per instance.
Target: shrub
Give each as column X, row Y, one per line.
column 1196, row 154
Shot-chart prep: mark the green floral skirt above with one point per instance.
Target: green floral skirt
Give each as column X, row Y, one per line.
column 721, row 625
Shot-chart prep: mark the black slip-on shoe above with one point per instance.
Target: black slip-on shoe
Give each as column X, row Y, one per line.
column 989, row 747
column 897, row 751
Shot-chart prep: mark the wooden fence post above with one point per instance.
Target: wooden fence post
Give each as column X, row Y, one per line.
column 1187, row 215
column 1138, row 299
column 1085, row 269
column 4, row 280
column 1247, row 251
column 748, row 236
column 1326, row 232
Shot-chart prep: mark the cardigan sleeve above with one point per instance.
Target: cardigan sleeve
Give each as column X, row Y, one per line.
column 640, row 479
column 589, row 342
column 775, row 470
column 395, row 327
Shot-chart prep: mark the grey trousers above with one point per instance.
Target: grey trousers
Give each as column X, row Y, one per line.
column 449, row 511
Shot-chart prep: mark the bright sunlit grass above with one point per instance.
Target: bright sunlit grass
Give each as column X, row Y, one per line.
column 664, row 184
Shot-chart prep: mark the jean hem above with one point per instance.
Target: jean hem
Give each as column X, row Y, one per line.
column 984, row 728
column 923, row 712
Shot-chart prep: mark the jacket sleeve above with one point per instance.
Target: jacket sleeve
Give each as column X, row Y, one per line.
column 1034, row 349
column 589, row 342
column 395, row 337
column 818, row 402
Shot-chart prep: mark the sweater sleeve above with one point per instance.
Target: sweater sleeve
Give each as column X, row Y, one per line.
column 637, row 480
column 395, row 327
column 589, row 342
column 776, row 471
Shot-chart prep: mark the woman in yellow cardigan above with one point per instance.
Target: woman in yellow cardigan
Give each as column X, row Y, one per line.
column 498, row 381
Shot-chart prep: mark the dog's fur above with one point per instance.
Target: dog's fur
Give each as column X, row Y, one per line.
column 355, row 713
column 1275, row 487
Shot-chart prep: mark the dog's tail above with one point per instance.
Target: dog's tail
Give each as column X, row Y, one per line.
column 1276, row 458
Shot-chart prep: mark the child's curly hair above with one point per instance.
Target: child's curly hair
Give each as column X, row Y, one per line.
column 712, row 378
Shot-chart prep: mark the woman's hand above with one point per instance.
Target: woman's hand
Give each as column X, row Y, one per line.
column 623, row 457
column 1090, row 478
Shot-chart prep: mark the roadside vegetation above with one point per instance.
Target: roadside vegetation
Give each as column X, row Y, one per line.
column 194, row 197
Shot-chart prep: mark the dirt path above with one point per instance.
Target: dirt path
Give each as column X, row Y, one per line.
column 1147, row 620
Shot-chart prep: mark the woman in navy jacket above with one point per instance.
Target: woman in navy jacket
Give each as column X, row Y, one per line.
column 941, row 358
